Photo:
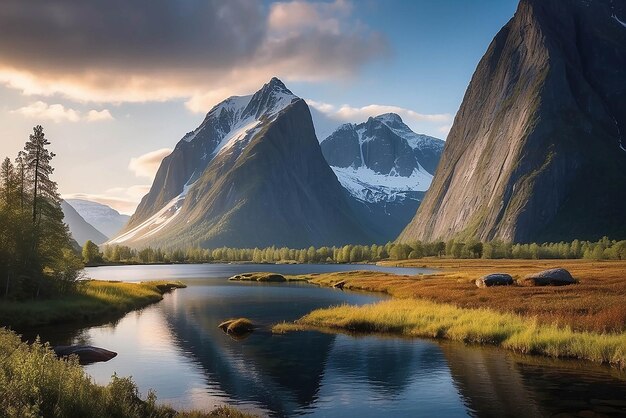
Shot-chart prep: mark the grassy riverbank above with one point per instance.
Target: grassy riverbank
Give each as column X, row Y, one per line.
column 33, row 382
column 595, row 304
column 584, row 321
column 419, row 318
column 92, row 300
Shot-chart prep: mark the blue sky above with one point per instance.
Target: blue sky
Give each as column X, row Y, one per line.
column 114, row 95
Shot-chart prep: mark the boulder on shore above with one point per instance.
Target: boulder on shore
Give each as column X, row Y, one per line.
column 87, row 354
column 495, row 279
column 340, row 285
column 237, row 326
column 552, row 277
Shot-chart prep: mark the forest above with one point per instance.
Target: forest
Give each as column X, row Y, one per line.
column 38, row 257
column 603, row 249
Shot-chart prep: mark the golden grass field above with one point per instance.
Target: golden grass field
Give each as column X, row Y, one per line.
column 597, row 303
column 585, row 321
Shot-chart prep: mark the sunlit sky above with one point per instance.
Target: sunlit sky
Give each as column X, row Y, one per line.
column 116, row 84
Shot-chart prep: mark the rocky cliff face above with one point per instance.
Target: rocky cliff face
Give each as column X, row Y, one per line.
column 385, row 167
column 537, row 151
column 251, row 175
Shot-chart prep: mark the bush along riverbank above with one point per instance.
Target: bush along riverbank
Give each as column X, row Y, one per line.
column 33, row 382
column 91, row 300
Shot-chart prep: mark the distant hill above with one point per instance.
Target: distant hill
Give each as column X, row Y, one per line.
column 80, row 229
column 104, row 218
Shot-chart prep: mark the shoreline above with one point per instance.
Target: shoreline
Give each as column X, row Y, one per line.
column 93, row 300
column 447, row 305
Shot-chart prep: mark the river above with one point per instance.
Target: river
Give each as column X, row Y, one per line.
column 175, row 348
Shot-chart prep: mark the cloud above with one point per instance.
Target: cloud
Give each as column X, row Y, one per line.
column 122, row 199
column 349, row 113
column 96, row 116
column 146, row 165
column 43, row 111
column 200, row 51
column 445, row 129
column 59, row 113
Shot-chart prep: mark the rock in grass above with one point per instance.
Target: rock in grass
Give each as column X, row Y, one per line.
column 86, row 354
column 495, row 279
column 552, row 277
column 237, row 326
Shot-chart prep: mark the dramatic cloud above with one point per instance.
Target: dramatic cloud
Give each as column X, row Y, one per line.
column 58, row 113
column 146, row 165
column 124, row 200
column 197, row 50
column 346, row 113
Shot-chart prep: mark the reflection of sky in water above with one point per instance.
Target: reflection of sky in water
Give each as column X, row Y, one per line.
column 175, row 348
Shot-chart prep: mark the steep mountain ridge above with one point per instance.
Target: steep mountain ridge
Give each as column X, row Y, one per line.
column 536, row 151
column 252, row 174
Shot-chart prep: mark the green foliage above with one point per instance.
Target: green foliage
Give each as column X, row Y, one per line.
column 91, row 253
column 602, row 250
column 34, row 383
column 36, row 254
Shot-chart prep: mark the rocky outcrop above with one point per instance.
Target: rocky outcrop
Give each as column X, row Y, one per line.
column 259, row 277
column 86, row 354
column 537, row 150
column 495, row 279
column 552, row 277
column 238, row 327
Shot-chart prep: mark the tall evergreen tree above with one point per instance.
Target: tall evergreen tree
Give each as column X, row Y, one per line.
column 38, row 159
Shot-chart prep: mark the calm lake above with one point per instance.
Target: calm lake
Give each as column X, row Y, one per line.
column 175, row 348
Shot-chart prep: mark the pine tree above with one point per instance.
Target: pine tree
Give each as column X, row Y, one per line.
column 38, row 159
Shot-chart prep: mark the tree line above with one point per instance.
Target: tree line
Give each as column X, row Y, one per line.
column 38, row 257
column 603, row 249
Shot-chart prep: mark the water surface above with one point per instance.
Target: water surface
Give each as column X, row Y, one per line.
column 175, row 348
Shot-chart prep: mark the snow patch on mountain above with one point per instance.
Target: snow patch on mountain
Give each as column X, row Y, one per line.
column 156, row 222
column 368, row 186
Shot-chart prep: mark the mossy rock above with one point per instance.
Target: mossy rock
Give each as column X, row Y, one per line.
column 259, row 277
column 239, row 326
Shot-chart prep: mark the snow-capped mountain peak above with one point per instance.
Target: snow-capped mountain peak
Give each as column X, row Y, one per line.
column 416, row 141
column 221, row 139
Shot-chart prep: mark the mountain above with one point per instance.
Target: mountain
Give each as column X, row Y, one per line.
column 385, row 167
column 252, row 174
column 104, row 218
column 80, row 229
column 537, row 152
